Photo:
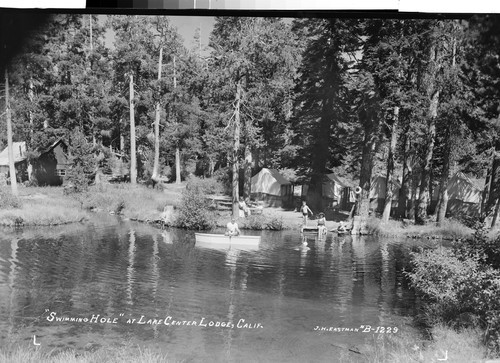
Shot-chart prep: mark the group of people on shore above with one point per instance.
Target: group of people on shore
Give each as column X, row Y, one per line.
column 232, row 228
column 321, row 221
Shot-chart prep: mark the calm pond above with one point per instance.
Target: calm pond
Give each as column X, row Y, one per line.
column 82, row 286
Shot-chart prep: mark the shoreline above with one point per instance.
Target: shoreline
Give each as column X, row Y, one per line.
column 49, row 206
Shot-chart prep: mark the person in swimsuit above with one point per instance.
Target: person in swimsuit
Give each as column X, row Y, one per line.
column 305, row 212
column 322, row 225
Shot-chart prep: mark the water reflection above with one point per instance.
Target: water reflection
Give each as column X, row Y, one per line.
column 290, row 285
column 130, row 268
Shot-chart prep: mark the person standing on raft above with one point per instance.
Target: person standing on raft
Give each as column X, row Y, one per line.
column 305, row 212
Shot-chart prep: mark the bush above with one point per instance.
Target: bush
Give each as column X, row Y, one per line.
column 261, row 222
column 207, row 186
column 9, row 201
column 274, row 223
column 195, row 210
column 83, row 163
column 460, row 286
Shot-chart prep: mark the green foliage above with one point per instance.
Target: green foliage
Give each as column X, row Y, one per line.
column 461, row 285
column 224, row 178
column 261, row 222
column 83, row 163
column 195, row 210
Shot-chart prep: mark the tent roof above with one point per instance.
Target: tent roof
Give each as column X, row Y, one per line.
column 339, row 180
column 19, row 149
column 476, row 183
column 382, row 179
column 276, row 175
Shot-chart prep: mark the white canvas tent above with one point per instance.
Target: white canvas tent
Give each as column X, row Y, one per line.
column 464, row 195
column 462, row 188
column 338, row 191
column 378, row 190
column 270, row 186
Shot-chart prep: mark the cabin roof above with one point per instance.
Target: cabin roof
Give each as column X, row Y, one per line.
column 53, row 145
column 19, row 149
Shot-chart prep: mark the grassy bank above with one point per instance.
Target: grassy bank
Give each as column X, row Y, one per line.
column 32, row 354
column 459, row 347
column 39, row 207
column 134, row 202
column 449, row 230
column 44, row 206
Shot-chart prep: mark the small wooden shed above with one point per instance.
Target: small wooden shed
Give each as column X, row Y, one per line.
column 51, row 166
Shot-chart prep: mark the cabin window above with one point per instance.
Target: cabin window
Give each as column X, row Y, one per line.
column 61, row 172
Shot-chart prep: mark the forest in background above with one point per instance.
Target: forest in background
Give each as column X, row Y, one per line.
column 414, row 100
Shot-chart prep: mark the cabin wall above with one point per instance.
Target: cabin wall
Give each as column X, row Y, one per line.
column 51, row 167
column 21, row 172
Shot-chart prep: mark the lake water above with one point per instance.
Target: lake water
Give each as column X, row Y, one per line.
column 81, row 286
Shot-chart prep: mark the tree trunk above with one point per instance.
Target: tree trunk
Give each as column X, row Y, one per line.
column 177, row 165
column 389, row 189
column 487, row 186
column 156, row 162
column 236, row 147
column 211, row 167
column 31, row 98
column 122, row 142
column 133, row 160
column 493, row 194
column 405, row 190
column 368, row 153
column 90, row 26
column 12, row 167
column 320, row 153
column 177, row 150
column 412, row 205
column 247, row 167
column 495, row 214
column 423, row 198
column 445, row 177
column 443, row 185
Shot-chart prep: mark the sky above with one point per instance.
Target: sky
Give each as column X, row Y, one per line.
column 186, row 26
